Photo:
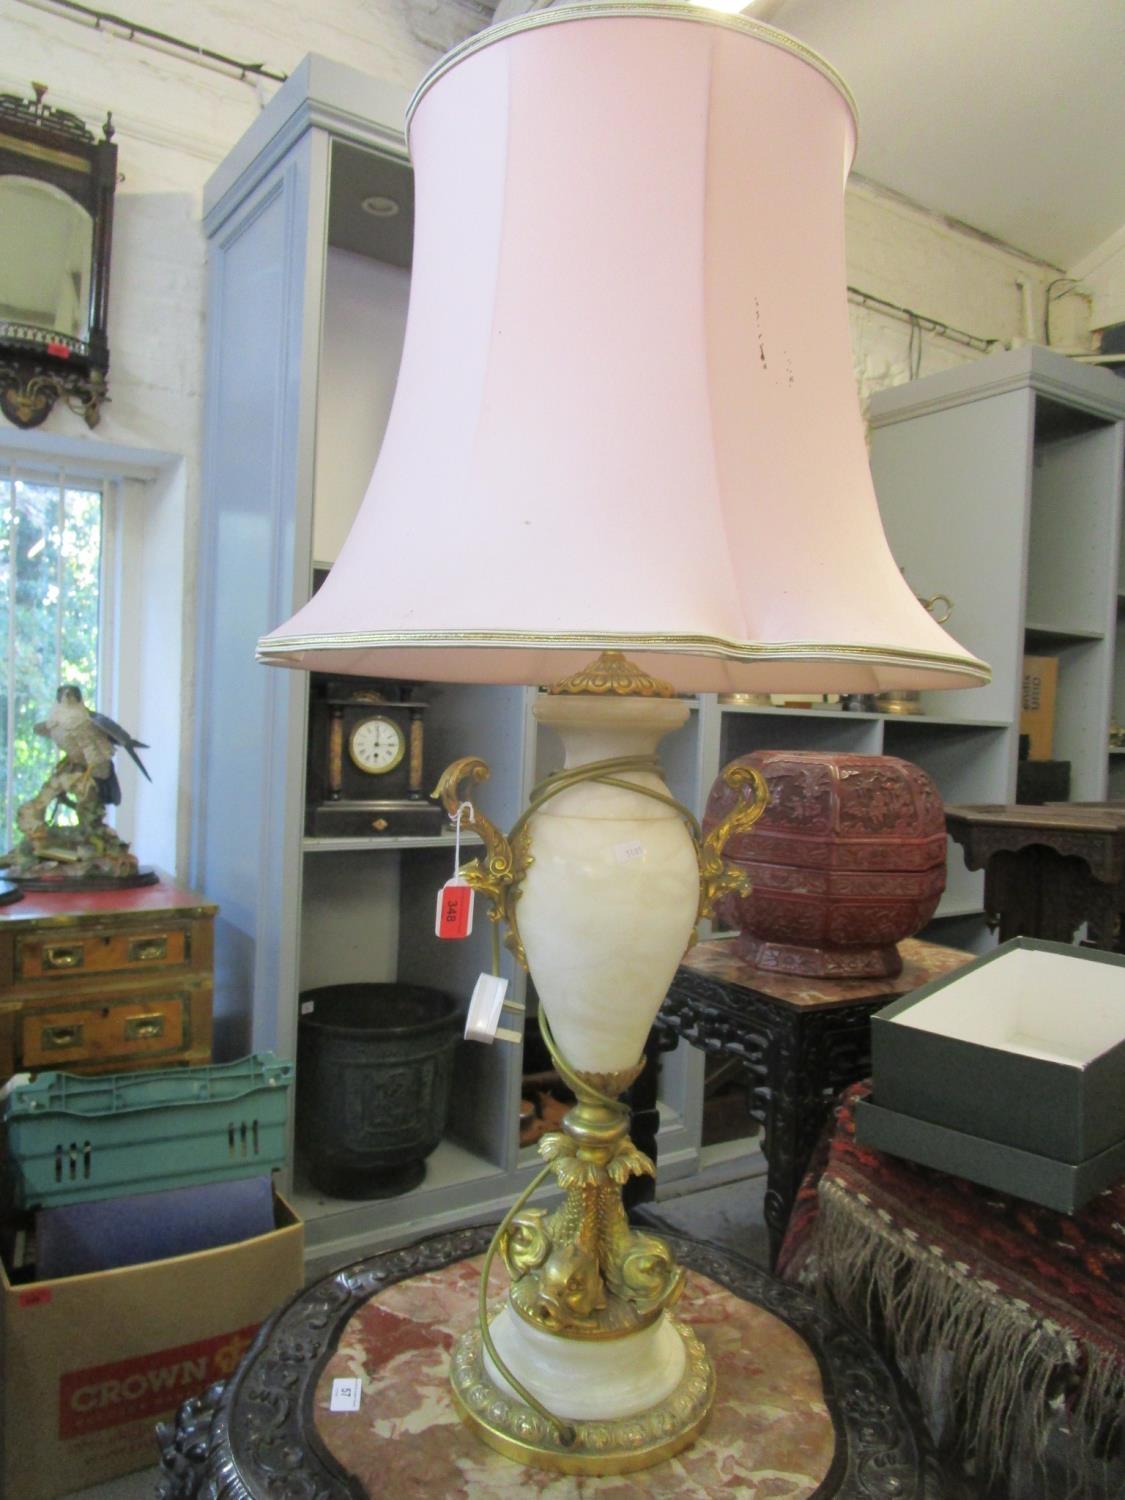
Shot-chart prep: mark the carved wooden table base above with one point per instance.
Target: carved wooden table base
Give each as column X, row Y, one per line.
column 814, row 1399
column 801, row 1041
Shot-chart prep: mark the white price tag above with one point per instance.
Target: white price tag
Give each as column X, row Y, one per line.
column 307, row 1007
column 345, row 1394
column 485, row 1007
column 627, row 853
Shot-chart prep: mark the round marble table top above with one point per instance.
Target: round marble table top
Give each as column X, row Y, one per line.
column 804, row 1408
column 770, row 1433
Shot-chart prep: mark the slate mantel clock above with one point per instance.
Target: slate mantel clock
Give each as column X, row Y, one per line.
column 365, row 772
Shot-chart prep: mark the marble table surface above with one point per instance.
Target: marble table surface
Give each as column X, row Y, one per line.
column 805, row 1408
column 770, row 1433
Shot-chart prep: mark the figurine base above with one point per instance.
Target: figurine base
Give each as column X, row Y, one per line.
column 63, row 881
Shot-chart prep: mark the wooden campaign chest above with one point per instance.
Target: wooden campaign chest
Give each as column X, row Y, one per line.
column 99, row 981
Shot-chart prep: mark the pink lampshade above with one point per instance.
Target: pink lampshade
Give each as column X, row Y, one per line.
column 626, row 416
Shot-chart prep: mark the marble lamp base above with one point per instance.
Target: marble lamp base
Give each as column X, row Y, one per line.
column 652, row 1427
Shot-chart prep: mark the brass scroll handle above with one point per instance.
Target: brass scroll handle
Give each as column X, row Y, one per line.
column 146, row 950
column 143, row 1028
column 716, row 877
column 58, row 957
column 504, row 868
column 55, row 1038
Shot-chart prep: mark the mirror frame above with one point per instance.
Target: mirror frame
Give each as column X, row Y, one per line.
column 38, row 365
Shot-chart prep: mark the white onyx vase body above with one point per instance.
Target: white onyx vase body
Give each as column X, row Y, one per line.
column 609, row 902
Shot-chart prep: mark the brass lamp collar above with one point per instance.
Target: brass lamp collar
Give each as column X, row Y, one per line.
column 614, row 673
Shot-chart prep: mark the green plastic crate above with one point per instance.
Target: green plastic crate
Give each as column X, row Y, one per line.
column 74, row 1139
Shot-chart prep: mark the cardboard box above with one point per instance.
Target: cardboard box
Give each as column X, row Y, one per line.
column 1037, row 704
column 91, row 1363
column 1024, row 1047
column 1064, row 1186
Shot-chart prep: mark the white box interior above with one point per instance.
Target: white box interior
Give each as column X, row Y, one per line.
column 1049, row 1005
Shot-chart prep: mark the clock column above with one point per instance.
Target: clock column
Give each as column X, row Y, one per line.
column 335, row 779
column 415, row 785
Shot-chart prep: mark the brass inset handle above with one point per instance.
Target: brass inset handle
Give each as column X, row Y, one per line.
column 72, row 956
column 144, row 950
column 380, row 825
column 932, row 603
column 55, row 1038
column 141, row 1028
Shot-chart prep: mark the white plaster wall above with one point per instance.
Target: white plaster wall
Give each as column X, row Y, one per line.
column 947, row 272
column 176, row 119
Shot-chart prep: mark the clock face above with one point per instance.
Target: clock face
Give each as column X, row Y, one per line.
column 376, row 745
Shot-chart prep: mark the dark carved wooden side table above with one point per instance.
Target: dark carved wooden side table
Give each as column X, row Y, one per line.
column 806, row 1397
column 1048, row 868
column 801, row 1040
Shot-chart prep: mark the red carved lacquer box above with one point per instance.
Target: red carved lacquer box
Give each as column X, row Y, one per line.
column 847, row 859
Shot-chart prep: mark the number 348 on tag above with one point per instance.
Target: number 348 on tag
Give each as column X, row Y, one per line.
column 454, row 917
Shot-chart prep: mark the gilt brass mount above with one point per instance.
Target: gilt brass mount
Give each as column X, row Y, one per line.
column 619, row 1446
column 582, row 1271
column 613, row 672
column 505, row 863
column 716, row 877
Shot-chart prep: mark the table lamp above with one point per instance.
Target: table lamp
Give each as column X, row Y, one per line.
column 625, row 460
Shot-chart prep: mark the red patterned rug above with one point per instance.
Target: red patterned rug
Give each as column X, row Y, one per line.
column 1015, row 1311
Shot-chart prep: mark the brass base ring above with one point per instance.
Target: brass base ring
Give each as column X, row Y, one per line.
column 607, row 1447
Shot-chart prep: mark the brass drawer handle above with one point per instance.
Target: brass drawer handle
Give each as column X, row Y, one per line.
column 146, row 949
column 140, row 1028
column 73, row 956
column 55, row 1038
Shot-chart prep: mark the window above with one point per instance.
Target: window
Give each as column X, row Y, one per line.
column 51, row 547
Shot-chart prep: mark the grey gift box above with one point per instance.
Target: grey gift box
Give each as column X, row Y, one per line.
column 1010, row 1071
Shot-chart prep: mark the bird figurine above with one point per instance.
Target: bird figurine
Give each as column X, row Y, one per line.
column 88, row 740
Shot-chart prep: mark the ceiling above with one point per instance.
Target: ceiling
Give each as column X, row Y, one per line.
column 1006, row 114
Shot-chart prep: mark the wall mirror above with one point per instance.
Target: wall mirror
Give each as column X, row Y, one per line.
column 56, row 221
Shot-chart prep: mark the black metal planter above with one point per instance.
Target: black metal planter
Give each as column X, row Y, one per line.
column 375, row 1062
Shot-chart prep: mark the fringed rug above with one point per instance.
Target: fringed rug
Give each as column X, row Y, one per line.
column 1007, row 1318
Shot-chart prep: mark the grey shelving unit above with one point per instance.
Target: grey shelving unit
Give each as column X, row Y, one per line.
column 308, row 223
column 1000, row 485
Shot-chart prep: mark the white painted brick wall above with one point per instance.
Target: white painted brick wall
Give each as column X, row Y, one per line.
column 176, row 120
column 1103, row 272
